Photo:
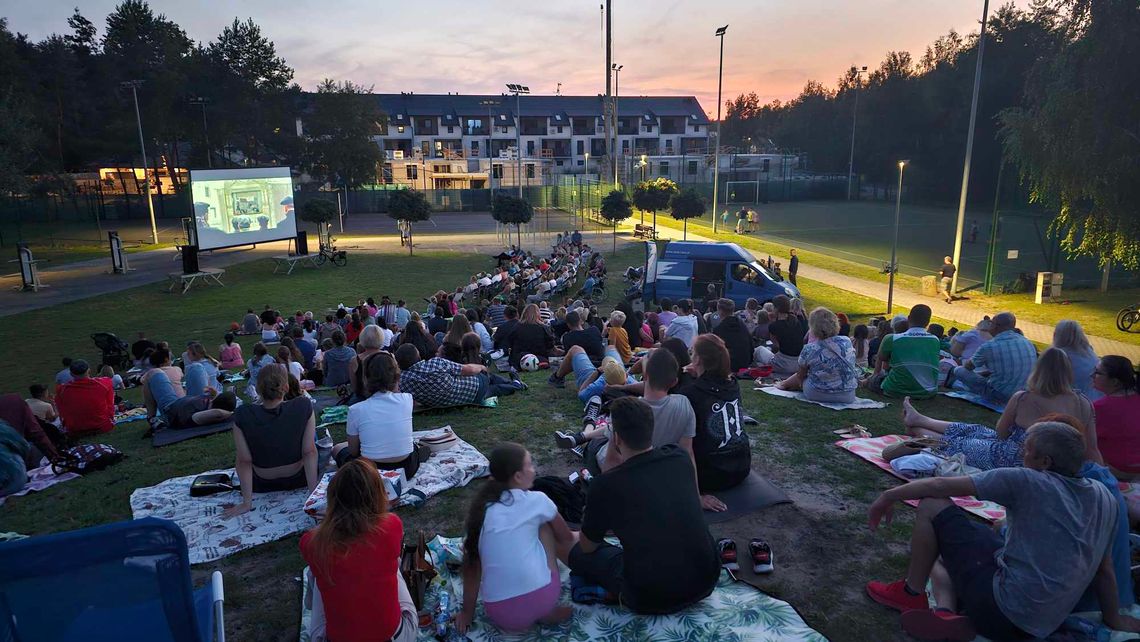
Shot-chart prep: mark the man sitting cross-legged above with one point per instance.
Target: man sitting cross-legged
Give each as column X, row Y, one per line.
column 667, row 559
column 189, row 411
column 1058, row 542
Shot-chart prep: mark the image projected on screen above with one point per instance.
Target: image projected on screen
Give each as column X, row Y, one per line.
column 242, row 206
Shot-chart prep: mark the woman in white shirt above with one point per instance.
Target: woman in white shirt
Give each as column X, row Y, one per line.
column 380, row 427
column 515, row 538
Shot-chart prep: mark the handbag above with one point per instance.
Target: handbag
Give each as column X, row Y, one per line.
column 211, row 484
column 910, row 447
column 443, row 441
column 417, row 569
column 86, row 458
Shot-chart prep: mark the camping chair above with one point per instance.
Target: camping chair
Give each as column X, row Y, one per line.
column 116, row 352
column 122, row 581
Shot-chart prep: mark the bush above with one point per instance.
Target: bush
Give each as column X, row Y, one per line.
column 318, row 211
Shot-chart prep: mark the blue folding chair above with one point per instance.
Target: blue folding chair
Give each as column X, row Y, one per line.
column 122, row 581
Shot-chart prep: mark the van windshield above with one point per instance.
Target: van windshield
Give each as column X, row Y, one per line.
column 759, row 268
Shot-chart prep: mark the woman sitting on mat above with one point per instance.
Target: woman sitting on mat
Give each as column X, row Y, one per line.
column 275, row 441
column 380, row 426
column 201, row 369
column 1049, row 389
column 229, row 353
column 515, row 538
column 354, row 554
column 827, row 371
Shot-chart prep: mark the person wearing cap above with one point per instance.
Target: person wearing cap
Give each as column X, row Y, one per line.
column 86, row 404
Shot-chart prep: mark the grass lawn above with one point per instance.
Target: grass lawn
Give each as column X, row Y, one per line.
column 824, row 551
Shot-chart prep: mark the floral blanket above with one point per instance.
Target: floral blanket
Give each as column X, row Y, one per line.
column 280, row 514
column 871, row 449
column 127, row 416
column 735, row 612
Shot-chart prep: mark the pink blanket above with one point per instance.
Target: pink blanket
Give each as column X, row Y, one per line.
column 871, row 449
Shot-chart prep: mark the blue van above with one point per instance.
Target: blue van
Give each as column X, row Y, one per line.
column 686, row 269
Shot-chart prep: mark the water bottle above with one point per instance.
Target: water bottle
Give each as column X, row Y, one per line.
column 1091, row 630
column 443, row 614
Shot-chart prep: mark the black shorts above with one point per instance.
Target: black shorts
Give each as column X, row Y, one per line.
column 292, row 482
column 410, row 464
column 967, row 549
column 602, row 567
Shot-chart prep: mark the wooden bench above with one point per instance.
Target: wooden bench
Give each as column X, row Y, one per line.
column 644, row 232
column 290, row 261
column 187, row 280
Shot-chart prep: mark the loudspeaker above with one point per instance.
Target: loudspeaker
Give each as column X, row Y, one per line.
column 302, row 242
column 190, row 259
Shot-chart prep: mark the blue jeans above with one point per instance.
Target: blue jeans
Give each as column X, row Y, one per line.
column 161, row 390
column 978, row 384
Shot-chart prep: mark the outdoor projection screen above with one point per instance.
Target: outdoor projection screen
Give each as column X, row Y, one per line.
column 242, row 206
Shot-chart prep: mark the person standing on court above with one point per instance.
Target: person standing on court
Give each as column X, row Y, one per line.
column 947, row 273
column 793, row 266
column 741, row 218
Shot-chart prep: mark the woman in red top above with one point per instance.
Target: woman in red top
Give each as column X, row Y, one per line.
column 353, row 329
column 1118, row 415
column 354, row 555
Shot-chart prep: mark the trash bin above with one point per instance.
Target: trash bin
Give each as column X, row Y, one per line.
column 929, row 286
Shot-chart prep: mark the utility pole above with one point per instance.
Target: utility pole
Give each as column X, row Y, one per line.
column 617, row 92
column 854, row 116
column 716, row 153
column 134, row 85
column 895, row 244
column 199, row 100
column 518, row 90
column 969, row 150
column 608, row 108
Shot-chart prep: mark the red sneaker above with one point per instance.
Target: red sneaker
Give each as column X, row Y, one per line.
column 895, row 596
column 938, row 625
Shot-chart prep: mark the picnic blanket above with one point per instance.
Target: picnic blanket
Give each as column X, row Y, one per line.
column 127, row 416
column 734, row 611
column 334, row 415
column 747, row 497
column 280, row 514
column 167, row 436
column 871, row 449
column 858, row 404
column 39, row 479
column 976, row 399
column 489, row 402
column 451, row 468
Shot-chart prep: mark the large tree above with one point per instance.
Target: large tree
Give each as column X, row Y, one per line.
column 338, row 133
column 616, row 208
column 1077, row 139
column 653, row 196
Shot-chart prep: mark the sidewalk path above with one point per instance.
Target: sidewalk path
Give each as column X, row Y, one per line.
column 962, row 312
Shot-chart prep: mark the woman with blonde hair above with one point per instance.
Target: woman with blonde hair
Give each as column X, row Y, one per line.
column 1069, row 337
column 1049, row 389
column 531, row 336
column 354, row 555
column 275, row 441
column 370, row 342
column 827, row 371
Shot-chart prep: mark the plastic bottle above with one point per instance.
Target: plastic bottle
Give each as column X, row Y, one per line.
column 443, row 614
column 1091, row 630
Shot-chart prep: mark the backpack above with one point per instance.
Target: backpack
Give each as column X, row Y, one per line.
column 569, row 498
column 86, row 458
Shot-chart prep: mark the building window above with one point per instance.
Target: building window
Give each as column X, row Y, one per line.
column 559, row 129
column 581, row 147
column 503, row 130
column 649, row 127
column 692, row 167
column 497, row 171
column 426, row 124
column 625, row 147
column 664, row 168
column 581, row 163
column 530, row 148
column 696, row 128
column 450, row 129
column 400, row 129
column 766, row 160
column 440, row 169
column 668, row 144
column 530, row 170
column 474, row 146
column 412, row 172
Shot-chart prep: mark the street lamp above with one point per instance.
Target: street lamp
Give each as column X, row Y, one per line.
column 616, row 69
column 716, row 155
column 134, row 85
column 969, row 149
column 490, row 161
column 202, row 101
column 518, row 90
column 895, row 243
column 854, row 115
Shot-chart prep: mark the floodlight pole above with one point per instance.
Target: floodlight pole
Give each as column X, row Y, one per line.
column 518, row 91
column 490, row 160
column 133, row 84
column 969, row 150
column 716, row 152
column 617, row 70
column 854, row 117
column 205, row 130
column 895, row 243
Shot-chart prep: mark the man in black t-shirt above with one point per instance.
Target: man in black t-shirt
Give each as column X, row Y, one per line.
column 946, row 277
column 584, row 351
column 667, row 559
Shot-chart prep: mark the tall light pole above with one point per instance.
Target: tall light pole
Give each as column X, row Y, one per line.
column 969, row 149
column 716, row 153
column 854, row 116
column 134, row 85
column 617, row 70
column 518, row 90
column 490, row 161
column 608, row 106
column 203, row 101
column 895, row 244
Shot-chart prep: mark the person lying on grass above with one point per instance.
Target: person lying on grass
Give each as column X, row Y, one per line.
column 674, row 422
column 1022, row 585
column 354, row 554
column 667, row 559
column 515, row 538
column 203, row 409
column 275, row 441
column 439, row 383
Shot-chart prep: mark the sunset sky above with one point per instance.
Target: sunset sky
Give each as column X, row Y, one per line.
column 475, row 46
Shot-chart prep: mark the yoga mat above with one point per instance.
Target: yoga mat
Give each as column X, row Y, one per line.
column 168, row 436
column 871, row 449
column 976, row 399
column 858, row 404
column 734, row 611
column 751, row 495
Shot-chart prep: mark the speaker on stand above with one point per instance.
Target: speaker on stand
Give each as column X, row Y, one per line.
column 302, row 243
column 190, row 259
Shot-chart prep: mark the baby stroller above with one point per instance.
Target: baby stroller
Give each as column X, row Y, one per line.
column 116, row 352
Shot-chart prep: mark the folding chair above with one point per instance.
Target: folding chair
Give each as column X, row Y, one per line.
column 123, row 581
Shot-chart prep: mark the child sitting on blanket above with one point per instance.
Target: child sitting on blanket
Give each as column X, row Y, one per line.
column 354, row 554
column 515, row 537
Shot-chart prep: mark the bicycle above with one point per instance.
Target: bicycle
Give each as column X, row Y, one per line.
column 329, row 252
column 1127, row 318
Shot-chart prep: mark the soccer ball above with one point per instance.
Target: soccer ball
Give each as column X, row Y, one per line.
column 529, row 362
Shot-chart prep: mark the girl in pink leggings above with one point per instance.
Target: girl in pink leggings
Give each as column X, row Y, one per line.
column 515, row 538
